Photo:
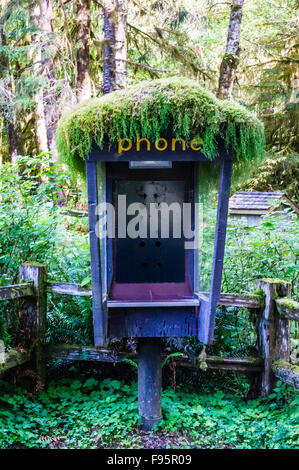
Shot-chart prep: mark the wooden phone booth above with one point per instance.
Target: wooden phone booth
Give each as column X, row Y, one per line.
column 143, row 218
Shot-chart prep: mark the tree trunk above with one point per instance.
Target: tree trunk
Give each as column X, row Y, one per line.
column 8, row 111
column 40, row 122
column 230, row 60
column 83, row 91
column 115, row 44
column 49, row 95
column 109, row 46
column 121, row 44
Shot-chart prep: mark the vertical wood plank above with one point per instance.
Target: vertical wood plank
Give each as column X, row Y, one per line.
column 98, row 306
column 150, row 381
column 33, row 314
column 219, row 243
column 273, row 333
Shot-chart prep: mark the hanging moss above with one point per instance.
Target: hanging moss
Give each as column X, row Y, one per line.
column 152, row 109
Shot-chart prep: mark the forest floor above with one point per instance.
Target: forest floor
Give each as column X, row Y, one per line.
column 91, row 413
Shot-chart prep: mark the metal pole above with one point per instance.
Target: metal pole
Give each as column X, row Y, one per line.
column 149, row 381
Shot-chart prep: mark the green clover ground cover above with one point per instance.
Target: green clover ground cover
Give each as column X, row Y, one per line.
column 90, row 413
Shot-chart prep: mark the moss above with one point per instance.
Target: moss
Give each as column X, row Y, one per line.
column 153, row 109
column 289, row 303
column 275, row 281
column 32, row 263
column 280, row 364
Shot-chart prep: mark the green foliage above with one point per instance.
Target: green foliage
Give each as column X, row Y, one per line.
column 277, row 173
column 268, row 250
column 153, row 109
column 28, row 212
column 33, row 229
column 89, row 413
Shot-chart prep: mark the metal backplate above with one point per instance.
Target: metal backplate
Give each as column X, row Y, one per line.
column 150, row 258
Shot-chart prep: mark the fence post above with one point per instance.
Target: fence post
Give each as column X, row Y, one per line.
column 273, row 332
column 33, row 315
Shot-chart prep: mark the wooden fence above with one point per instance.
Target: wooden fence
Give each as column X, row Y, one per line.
column 272, row 312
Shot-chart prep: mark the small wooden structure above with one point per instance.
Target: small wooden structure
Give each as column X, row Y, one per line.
column 146, row 285
column 249, row 206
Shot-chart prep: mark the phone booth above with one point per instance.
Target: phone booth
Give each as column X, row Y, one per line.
column 145, row 221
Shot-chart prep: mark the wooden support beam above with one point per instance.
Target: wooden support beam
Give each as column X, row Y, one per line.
column 252, row 301
column 16, row 291
column 80, row 353
column 75, row 213
column 33, row 314
column 235, row 300
column 288, row 308
column 100, row 313
column 150, row 382
column 286, row 372
column 69, row 289
column 237, row 364
column 208, row 310
column 273, row 332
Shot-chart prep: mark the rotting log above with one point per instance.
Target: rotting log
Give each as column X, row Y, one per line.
column 273, row 332
column 16, row 291
column 286, row 372
column 78, row 353
column 69, row 289
column 288, row 308
column 13, row 358
column 33, row 315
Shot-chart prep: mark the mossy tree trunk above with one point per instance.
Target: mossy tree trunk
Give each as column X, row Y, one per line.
column 230, row 60
column 9, row 118
column 83, row 87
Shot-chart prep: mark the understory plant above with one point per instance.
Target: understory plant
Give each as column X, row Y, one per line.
column 91, row 413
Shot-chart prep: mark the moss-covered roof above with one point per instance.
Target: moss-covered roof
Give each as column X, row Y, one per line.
column 176, row 106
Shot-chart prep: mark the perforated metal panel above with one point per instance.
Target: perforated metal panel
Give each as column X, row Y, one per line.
column 151, row 258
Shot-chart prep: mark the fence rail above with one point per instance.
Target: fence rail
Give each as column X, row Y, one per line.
column 273, row 309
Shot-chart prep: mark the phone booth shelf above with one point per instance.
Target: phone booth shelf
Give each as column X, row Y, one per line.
column 150, row 146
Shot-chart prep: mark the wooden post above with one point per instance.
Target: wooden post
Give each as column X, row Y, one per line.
column 149, row 382
column 273, row 332
column 33, row 310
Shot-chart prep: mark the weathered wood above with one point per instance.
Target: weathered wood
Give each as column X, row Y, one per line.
column 100, row 314
column 286, row 372
column 236, row 300
column 16, row 291
column 288, row 308
column 209, row 312
column 273, row 332
column 75, row 213
column 150, row 382
column 252, row 301
column 13, row 358
column 78, row 353
column 33, row 314
column 69, row 289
